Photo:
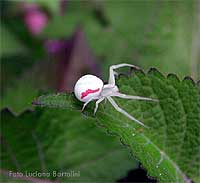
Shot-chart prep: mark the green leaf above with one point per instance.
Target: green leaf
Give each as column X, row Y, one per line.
column 10, row 45
column 70, row 21
column 19, row 88
column 157, row 40
column 169, row 150
column 138, row 32
column 61, row 140
column 52, row 5
column 10, row 68
column 19, row 96
column 4, row 178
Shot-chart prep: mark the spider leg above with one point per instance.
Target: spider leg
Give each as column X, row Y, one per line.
column 97, row 104
column 86, row 103
column 114, row 104
column 105, row 100
column 121, row 95
column 115, row 73
column 112, row 72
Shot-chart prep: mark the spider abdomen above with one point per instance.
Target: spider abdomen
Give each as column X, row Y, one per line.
column 87, row 87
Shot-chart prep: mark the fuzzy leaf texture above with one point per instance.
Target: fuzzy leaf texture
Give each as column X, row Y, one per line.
column 60, row 140
column 170, row 149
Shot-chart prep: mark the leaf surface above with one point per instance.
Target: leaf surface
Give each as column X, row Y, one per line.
column 153, row 34
column 63, row 141
column 169, row 150
column 10, row 44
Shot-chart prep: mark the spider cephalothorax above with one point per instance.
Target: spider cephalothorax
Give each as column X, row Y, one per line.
column 90, row 87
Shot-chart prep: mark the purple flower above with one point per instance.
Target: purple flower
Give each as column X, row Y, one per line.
column 34, row 18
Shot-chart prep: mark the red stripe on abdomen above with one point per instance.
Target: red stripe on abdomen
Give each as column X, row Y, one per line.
column 88, row 91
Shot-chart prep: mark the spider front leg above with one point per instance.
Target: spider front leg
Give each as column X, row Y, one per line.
column 97, row 104
column 86, row 103
column 121, row 95
column 112, row 73
column 114, row 104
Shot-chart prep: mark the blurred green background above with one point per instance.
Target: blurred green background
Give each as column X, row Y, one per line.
column 47, row 45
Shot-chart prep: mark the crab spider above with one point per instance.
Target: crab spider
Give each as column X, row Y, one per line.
column 90, row 87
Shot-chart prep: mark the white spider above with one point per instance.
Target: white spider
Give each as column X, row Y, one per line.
column 90, row 87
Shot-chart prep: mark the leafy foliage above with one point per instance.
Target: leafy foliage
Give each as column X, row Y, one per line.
column 52, row 6
column 61, row 140
column 4, row 178
column 156, row 41
column 10, row 44
column 169, row 150
column 19, row 88
column 155, row 34
column 18, row 97
column 162, row 39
